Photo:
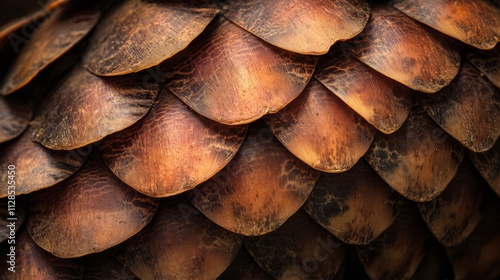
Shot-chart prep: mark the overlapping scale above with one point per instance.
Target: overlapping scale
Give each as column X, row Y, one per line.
column 36, row 166
column 180, row 243
column 15, row 114
column 259, row 189
column 321, row 130
column 32, row 262
column 381, row 101
column 488, row 62
column 88, row 213
column 317, row 24
column 138, row 34
column 300, row 249
column 454, row 214
column 418, row 160
column 397, row 253
column 356, row 205
column 468, row 109
column 488, row 165
column 406, row 51
column 55, row 36
column 171, row 150
column 85, row 108
column 230, row 76
column 480, row 29
column 105, row 266
column 478, row 256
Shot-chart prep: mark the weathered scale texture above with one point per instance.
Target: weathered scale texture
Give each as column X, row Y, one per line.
column 256, row 139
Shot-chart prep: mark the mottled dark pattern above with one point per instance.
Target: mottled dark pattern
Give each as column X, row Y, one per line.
column 15, row 114
column 453, row 18
column 468, row 109
column 244, row 267
column 259, row 189
column 356, row 206
column 418, row 160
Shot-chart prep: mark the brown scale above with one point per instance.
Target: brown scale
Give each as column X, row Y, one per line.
column 453, row 18
column 36, row 166
column 488, row 164
column 488, row 62
column 454, row 214
column 300, row 249
column 32, row 262
column 383, row 102
column 104, row 266
column 397, row 253
column 179, row 243
column 418, row 160
column 327, row 141
column 231, row 76
column 55, row 36
column 468, row 109
column 88, row 213
column 259, row 189
column 136, row 34
column 406, row 51
column 171, row 150
column 317, row 24
column 15, row 114
column 103, row 106
column 356, row 206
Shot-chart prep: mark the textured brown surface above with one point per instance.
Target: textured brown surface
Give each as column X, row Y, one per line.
column 328, row 142
column 15, row 113
column 455, row 213
column 300, row 249
column 418, row 160
column 478, row 256
column 381, row 101
column 318, row 23
column 55, row 37
column 356, row 206
column 488, row 164
column 138, row 34
column 259, row 189
column 180, row 243
column 104, row 266
column 32, row 262
column 85, row 108
column 397, row 253
column 36, row 166
column 88, row 213
column 406, row 51
column 468, row 109
column 171, row 150
column 230, row 76
column 453, row 18
column 488, row 62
